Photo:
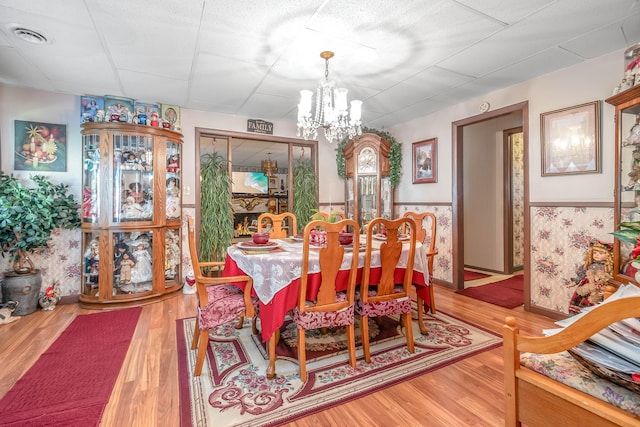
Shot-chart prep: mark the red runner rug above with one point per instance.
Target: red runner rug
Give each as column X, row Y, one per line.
column 71, row 382
column 473, row 275
column 508, row 293
column 234, row 391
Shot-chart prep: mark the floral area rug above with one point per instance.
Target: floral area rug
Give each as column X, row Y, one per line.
column 233, row 389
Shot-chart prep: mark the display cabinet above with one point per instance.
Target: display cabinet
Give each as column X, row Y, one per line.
column 368, row 192
column 131, row 214
column 627, row 178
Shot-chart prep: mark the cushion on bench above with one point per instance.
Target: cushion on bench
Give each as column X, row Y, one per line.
column 563, row 368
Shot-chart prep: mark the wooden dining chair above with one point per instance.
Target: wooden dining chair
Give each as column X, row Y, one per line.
column 426, row 239
column 334, row 303
column 219, row 302
column 282, row 225
column 386, row 297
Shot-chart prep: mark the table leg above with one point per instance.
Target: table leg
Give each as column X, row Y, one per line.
column 271, row 345
column 423, row 328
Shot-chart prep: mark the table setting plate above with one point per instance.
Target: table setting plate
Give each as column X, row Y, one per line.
column 401, row 237
column 251, row 246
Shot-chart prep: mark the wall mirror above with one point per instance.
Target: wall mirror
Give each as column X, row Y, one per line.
column 261, row 170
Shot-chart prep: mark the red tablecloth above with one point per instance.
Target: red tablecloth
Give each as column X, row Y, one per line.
column 272, row 314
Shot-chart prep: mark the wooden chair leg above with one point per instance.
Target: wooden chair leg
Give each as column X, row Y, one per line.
column 240, row 322
column 408, row 331
column 202, row 351
column 302, row 356
column 432, row 300
column 364, row 330
column 254, row 325
column 351, row 342
column 423, row 328
column 196, row 335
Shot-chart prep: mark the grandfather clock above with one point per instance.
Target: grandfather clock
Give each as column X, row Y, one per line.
column 368, row 192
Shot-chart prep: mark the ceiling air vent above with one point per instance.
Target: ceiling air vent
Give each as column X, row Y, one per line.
column 30, row 36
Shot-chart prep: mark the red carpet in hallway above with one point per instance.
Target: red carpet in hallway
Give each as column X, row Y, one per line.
column 508, row 293
column 71, row 382
column 473, row 275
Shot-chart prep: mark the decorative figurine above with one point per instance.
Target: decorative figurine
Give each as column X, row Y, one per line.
column 189, row 284
column 51, row 297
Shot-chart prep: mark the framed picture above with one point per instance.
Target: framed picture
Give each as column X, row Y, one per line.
column 425, row 161
column 40, row 147
column 89, row 107
column 171, row 113
column 570, row 140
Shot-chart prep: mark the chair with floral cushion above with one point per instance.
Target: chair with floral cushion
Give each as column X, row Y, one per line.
column 385, row 297
column 218, row 301
column 431, row 252
column 282, row 225
column 334, row 303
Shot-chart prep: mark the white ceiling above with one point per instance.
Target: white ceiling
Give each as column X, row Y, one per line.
column 404, row 59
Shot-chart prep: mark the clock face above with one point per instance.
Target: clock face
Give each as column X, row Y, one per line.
column 367, row 161
column 484, row 107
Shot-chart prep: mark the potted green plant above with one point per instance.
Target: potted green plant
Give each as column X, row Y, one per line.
column 216, row 213
column 28, row 216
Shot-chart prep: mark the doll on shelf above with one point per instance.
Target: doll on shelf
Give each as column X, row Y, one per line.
column 592, row 277
column 126, row 265
column 142, row 271
column 173, row 163
column 131, row 209
column 135, row 191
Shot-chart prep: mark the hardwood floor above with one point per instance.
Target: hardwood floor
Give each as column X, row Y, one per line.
column 467, row 393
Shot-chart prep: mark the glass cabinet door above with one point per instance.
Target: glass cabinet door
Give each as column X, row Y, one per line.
column 627, row 184
column 133, row 178
column 174, row 192
column 628, row 209
column 132, row 262
column 91, row 178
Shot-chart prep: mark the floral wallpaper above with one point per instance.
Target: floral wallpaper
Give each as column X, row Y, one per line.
column 560, row 237
column 517, row 196
column 442, row 265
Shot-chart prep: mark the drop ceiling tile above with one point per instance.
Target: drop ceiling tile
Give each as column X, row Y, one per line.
column 153, row 88
column 508, row 11
column 223, row 82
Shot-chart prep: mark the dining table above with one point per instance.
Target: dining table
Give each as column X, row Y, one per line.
column 276, row 269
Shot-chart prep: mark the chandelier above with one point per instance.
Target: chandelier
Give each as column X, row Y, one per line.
column 331, row 110
column 269, row 167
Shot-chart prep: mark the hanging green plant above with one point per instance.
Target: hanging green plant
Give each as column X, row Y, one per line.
column 216, row 214
column 395, row 156
column 305, row 202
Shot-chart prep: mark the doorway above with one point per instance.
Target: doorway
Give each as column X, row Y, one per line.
column 462, row 130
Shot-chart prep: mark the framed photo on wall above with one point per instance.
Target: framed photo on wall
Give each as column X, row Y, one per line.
column 570, row 140
column 425, row 161
column 40, row 147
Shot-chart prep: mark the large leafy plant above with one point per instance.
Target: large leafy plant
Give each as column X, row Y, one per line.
column 305, row 201
column 28, row 215
column 216, row 213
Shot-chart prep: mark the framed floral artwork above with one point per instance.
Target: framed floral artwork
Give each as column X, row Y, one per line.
column 570, row 140
column 40, row 147
column 425, row 161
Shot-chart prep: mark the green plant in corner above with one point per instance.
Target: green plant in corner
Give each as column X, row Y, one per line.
column 305, row 201
column 216, row 213
column 395, row 156
column 28, row 216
